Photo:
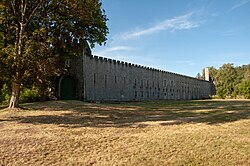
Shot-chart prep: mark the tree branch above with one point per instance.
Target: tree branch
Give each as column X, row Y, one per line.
column 24, row 8
column 33, row 11
column 13, row 8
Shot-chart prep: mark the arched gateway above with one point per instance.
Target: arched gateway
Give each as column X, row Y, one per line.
column 68, row 88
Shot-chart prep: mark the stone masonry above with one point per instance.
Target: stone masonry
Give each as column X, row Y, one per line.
column 102, row 79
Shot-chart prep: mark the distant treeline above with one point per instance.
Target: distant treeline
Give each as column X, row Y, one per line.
column 230, row 81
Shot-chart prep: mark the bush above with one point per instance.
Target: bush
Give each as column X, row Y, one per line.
column 29, row 95
column 5, row 94
column 26, row 95
column 245, row 89
column 221, row 93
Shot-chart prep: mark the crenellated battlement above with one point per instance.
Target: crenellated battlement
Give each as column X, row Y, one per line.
column 127, row 64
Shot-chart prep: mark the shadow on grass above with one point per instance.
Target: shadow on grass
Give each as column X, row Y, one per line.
column 3, row 107
column 75, row 114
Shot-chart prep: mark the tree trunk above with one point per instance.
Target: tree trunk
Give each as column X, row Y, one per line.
column 1, row 87
column 14, row 101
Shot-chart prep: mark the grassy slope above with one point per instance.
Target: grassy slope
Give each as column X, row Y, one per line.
column 215, row 132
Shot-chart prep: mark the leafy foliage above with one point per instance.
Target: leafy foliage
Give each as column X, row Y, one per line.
column 36, row 34
column 5, row 94
column 245, row 88
column 29, row 95
column 230, row 81
column 225, row 80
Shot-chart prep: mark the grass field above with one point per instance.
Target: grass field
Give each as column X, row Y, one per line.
column 208, row 132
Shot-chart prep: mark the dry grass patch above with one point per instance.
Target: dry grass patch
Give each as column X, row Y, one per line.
column 212, row 132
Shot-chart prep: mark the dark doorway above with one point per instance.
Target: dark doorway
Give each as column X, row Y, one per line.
column 68, row 88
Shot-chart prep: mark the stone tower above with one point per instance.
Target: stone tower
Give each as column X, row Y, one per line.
column 207, row 74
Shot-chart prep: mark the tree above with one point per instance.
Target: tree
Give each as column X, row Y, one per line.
column 198, row 76
column 244, row 84
column 36, row 34
column 225, row 80
column 1, row 86
column 231, row 81
column 245, row 88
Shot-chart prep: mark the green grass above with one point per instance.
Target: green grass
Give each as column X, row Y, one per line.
column 206, row 132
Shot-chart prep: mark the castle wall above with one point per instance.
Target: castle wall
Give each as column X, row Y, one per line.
column 111, row 80
column 76, row 70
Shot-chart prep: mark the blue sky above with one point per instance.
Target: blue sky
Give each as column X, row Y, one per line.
column 181, row 36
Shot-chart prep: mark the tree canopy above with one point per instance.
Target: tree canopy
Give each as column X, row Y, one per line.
column 35, row 34
column 231, row 81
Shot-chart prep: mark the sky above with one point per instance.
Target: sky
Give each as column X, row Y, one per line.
column 180, row 36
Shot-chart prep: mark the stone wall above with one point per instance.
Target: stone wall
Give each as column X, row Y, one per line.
column 102, row 79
